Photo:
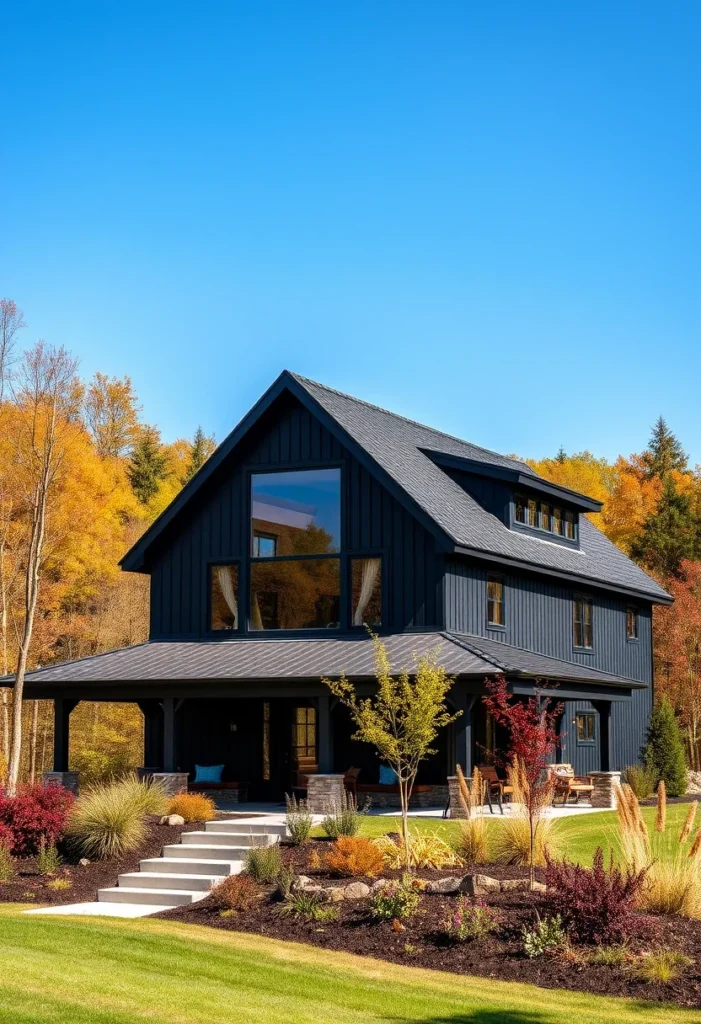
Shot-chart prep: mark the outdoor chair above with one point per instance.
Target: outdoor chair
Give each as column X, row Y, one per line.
column 568, row 784
column 494, row 786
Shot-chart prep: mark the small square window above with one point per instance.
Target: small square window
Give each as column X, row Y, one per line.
column 632, row 623
column 495, row 601
column 586, row 727
column 264, row 546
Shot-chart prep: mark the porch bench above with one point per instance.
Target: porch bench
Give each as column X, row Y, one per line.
column 231, row 792
column 387, row 795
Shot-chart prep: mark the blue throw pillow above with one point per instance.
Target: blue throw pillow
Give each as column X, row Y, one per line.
column 388, row 776
column 210, row 773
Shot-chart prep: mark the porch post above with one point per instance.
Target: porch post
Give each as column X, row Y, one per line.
column 605, row 734
column 62, row 713
column 168, row 734
column 153, row 733
column 325, row 739
column 463, row 735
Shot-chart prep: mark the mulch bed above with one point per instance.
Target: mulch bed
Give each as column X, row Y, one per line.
column 422, row 943
column 28, row 886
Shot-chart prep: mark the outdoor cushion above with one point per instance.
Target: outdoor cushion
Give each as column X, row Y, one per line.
column 208, row 773
column 388, row 776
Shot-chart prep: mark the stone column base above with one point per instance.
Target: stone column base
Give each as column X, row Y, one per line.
column 172, row 782
column 69, row 780
column 604, row 794
column 325, row 793
column 457, row 809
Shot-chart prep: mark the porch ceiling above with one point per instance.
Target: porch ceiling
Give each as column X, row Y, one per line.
column 250, row 660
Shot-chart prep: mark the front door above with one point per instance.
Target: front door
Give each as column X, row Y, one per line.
column 290, row 745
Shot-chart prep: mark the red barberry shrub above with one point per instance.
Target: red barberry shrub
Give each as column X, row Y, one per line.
column 596, row 905
column 6, row 836
column 36, row 816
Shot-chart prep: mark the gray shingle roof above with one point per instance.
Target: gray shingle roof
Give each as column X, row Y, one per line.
column 264, row 660
column 395, row 443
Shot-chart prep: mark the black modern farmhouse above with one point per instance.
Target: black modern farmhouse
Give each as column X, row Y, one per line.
column 321, row 515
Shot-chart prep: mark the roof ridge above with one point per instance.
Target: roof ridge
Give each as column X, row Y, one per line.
column 406, row 419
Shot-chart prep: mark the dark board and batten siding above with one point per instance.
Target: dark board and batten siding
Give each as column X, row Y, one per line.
column 539, row 618
column 218, row 528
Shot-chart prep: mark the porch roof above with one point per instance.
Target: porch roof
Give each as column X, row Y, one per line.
column 251, row 660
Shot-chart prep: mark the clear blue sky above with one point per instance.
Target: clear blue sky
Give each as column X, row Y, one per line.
column 486, row 216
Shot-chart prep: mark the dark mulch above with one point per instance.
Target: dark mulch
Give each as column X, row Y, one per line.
column 28, row 886
column 422, row 943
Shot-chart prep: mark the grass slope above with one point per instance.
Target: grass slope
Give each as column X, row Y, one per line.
column 582, row 833
column 106, row 971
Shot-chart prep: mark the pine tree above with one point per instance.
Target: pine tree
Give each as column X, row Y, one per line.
column 670, row 533
column 561, row 456
column 202, row 448
column 147, row 465
column 663, row 754
column 664, row 453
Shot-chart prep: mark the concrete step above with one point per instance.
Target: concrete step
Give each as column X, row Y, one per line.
column 207, row 851
column 226, row 839
column 243, row 829
column 170, row 880
column 162, row 897
column 195, row 866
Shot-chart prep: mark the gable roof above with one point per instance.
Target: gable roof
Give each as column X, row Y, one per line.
column 399, row 451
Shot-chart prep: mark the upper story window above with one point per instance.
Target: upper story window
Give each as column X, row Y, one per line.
column 224, row 591
column 541, row 515
column 495, row 601
column 366, row 591
column 582, row 617
column 295, row 572
column 632, row 623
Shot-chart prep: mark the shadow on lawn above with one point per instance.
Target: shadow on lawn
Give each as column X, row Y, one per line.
column 488, row 1017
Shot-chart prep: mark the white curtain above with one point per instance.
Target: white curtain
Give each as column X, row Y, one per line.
column 256, row 619
column 371, row 571
column 226, row 585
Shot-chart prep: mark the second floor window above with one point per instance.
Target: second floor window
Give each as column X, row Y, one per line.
column 224, row 597
column 495, row 601
column 582, row 622
column 541, row 515
column 366, row 591
column 632, row 623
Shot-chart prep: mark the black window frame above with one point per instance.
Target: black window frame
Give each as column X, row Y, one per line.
column 499, row 580
column 585, row 601
column 213, row 563
column 632, row 613
column 537, row 515
column 588, row 740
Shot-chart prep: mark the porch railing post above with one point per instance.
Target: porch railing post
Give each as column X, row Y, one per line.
column 62, row 714
column 605, row 734
column 168, row 734
column 463, row 735
column 325, row 738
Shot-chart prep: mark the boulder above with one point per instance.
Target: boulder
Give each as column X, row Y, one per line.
column 378, row 884
column 83, row 862
column 479, row 885
column 301, row 882
column 356, row 891
column 520, row 884
column 172, row 819
column 334, row 894
column 446, row 886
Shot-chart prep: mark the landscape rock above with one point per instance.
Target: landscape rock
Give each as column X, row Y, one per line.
column 83, row 862
column 356, row 891
column 378, row 884
column 301, row 882
column 334, row 894
column 520, row 884
column 479, row 885
column 172, row 819
column 445, row 886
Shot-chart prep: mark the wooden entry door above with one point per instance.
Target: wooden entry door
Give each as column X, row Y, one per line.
column 292, row 745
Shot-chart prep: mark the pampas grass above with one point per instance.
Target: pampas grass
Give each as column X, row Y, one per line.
column 426, row 850
column 472, row 844
column 673, row 880
column 110, row 819
column 511, row 839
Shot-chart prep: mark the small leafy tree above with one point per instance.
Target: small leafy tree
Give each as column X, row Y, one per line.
column 663, row 753
column 402, row 720
column 534, row 735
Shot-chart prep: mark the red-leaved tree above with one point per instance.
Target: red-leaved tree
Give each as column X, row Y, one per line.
column 534, row 736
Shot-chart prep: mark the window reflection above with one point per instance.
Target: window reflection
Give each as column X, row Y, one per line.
column 295, row 594
column 296, row 513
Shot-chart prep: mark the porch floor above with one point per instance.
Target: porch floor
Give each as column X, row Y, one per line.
column 275, row 812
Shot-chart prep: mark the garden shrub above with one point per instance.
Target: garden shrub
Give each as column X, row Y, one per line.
column 511, row 841
column 396, row 900
column 48, row 860
column 285, row 878
column 661, row 966
column 263, row 863
column 547, row 934
column 345, row 820
column 37, row 814
column 192, row 807
column 596, row 905
column 471, row 919
column 237, row 892
column 59, row 884
column 309, row 907
column 108, row 821
column 7, row 865
column 426, row 850
column 663, row 753
column 299, row 820
column 100, row 767
column 472, row 844
column 640, row 779
column 352, row 856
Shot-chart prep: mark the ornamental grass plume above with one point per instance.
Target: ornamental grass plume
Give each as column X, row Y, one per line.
column 689, row 822
column 472, row 844
column 110, row 820
column 661, row 818
column 527, row 836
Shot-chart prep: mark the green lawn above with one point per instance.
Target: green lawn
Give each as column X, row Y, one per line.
column 106, row 971
column 581, row 833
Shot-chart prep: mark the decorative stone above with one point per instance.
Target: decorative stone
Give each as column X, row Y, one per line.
column 378, row 884
column 301, row 882
column 325, row 793
column 356, row 891
column 171, row 782
column 604, row 794
column 83, row 862
column 520, row 884
column 334, row 894
column 445, row 886
column 69, row 780
column 172, row 819
column 478, row 885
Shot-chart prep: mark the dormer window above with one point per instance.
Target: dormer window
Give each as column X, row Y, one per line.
column 542, row 515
